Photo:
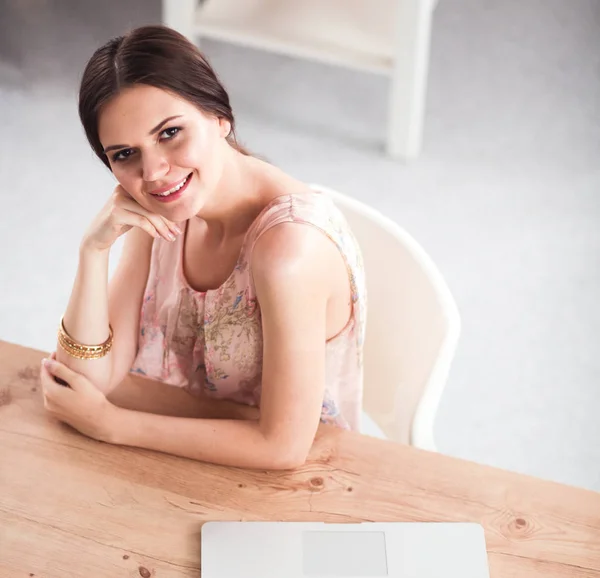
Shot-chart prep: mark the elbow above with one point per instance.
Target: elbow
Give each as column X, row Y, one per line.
column 107, row 389
column 106, row 386
column 287, row 457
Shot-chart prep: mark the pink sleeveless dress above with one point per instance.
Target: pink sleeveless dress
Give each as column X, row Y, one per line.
column 210, row 343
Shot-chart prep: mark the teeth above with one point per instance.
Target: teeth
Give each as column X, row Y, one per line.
column 173, row 190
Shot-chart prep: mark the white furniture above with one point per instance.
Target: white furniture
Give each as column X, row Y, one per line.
column 413, row 326
column 391, row 37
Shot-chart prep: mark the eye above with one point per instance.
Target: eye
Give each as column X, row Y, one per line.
column 122, row 155
column 169, row 133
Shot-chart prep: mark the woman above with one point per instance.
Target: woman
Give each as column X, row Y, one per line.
column 237, row 282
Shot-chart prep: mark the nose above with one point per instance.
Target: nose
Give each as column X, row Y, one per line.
column 154, row 166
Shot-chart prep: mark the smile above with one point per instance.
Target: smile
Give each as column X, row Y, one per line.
column 173, row 189
column 174, row 192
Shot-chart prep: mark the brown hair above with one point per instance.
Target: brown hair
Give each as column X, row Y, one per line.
column 156, row 56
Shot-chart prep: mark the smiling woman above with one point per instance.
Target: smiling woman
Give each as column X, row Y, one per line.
column 237, row 282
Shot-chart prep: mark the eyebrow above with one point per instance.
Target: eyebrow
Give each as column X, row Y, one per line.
column 153, row 131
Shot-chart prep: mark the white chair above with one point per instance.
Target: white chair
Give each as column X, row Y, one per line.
column 413, row 326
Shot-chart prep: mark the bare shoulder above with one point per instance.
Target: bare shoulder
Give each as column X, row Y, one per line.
column 294, row 250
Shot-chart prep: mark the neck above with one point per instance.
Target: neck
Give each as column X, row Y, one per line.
column 238, row 197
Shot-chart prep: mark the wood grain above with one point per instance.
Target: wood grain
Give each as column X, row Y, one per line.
column 70, row 506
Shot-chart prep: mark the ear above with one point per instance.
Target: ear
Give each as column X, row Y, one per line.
column 224, row 127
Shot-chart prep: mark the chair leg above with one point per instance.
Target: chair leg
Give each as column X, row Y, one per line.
column 409, row 79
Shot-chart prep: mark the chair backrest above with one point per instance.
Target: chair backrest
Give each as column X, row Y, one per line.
column 413, row 326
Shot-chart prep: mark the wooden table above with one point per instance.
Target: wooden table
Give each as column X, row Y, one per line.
column 73, row 507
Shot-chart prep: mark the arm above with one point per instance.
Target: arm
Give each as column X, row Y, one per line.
column 93, row 303
column 142, row 394
column 292, row 267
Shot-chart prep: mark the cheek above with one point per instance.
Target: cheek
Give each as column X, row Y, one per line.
column 188, row 160
column 198, row 150
column 126, row 178
column 130, row 181
column 188, row 155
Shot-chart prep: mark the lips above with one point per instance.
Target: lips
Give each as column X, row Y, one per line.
column 173, row 193
column 172, row 188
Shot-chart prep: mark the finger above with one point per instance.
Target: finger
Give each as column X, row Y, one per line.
column 141, row 222
column 152, row 224
column 173, row 227
column 167, row 229
column 57, row 370
column 50, row 388
column 48, row 404
column 60, row 381
column 161, row 226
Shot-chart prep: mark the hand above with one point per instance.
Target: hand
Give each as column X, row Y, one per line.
column 80, row 404
column 121, row 213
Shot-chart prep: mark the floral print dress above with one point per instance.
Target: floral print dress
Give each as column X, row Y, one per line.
column 210, row 343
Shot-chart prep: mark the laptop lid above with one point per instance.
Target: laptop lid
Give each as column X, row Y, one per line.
column 320, row 550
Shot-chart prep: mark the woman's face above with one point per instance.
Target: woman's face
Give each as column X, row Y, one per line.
column 158, row 143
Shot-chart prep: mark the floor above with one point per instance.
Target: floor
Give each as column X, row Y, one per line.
column 505, row 197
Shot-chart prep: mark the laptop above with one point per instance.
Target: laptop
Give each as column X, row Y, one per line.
column 323, row 550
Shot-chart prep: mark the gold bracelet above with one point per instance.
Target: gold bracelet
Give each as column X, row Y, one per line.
column 80, row 351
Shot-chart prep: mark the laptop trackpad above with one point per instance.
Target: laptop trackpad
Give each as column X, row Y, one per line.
column 344, row 554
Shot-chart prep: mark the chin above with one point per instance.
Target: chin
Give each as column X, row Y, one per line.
column 178, row 214
column 187, row 211
column 198, row 203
